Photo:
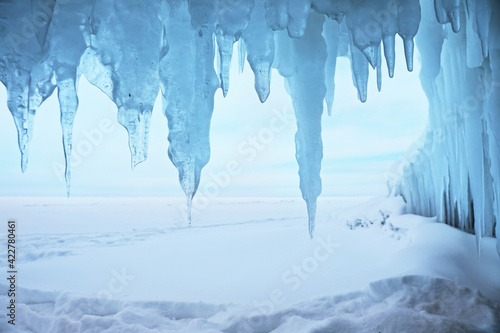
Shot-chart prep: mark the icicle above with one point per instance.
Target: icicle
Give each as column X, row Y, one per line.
column 408, row 23
column 19, row 55
column 371, row 54
column 441, row 15
column 389, row 53
column 298, row 13
column 311, row 213
column 122, row 55
column 331, row 35
column 277, row 14
column 26, row 91
column 460, row 187
column 68, row 103
column 242, row 53
column 307, row 89
column 475, row 55
column 62, row 34
column 189, row 205
column 259, row 39
column 430, row 42
column 134, row 74
column 448, row 11
column 17, row 101
column 359, row 66
column 408, row 47
column 365, row 30
column 379, row 69
column 388, row 20
column 225, row 44
column 454, row 14
column 492, row 118
column 136, row 120
column 482, row 18
column 188, row 84
column 233, row 19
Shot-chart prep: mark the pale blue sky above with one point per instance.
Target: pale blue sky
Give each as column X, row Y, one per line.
column 361, row 141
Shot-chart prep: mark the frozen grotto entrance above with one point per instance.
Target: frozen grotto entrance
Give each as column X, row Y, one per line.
column 459, row 77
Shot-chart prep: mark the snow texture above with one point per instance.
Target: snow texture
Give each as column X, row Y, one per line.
column 83, row 271
column 131, row 49
column 423, row 304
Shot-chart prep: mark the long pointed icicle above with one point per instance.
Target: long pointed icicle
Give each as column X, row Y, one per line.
column 359, row 66
column 389, row 53
column 259, row 39
column 227, row 33
column 189, row 206
column 307, row 89
column 225, row 43
column 26, row 92
column 17, row 101
column 331, row 35
column 379, row 69
column 15, row 71
column 68, row 102
column 65, row 68
column 389, row 26
column 408, row 23
column 189, row 82
column 242, row 53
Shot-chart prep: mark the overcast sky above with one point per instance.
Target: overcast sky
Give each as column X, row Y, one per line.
column 361, row 141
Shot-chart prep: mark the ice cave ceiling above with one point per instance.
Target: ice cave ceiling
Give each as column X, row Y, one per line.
column 131, row 49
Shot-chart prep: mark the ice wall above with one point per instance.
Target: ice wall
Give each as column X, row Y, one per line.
column 453, row 172
column 131, row 50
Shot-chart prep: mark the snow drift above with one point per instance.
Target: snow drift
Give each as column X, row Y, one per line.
column 392, row 305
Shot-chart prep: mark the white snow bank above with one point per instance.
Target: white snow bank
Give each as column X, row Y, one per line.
column 402, row 304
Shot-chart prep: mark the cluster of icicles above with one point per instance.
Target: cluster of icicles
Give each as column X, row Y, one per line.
column 453, row 172
column 129, row 49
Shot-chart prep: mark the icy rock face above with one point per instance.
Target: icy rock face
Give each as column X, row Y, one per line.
column 132, row 49
column 454, row 171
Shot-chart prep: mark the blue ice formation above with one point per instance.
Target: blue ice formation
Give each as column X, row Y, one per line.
column 131, row 50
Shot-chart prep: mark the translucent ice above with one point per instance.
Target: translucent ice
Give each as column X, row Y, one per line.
column 131, row 49
column 122, row 60
column 307, row 89
column 189, row 82
column 232, row 21
column 259, row 41
column 453, row 173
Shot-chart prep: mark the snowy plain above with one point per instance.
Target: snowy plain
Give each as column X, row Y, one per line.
column 245, row 265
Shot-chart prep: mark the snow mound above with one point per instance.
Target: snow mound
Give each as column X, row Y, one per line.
column 401, row 304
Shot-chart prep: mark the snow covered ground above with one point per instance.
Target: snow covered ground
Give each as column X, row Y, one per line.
column 246, row 265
